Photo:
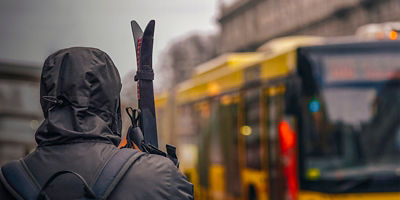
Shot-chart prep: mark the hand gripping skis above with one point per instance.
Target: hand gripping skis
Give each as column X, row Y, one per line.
column 143, row 132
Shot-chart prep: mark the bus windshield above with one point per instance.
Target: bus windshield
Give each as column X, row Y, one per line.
column 351, row 139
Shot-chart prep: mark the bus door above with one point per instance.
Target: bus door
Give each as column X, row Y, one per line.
column 273, row 114
column 202, row 126
column 229, row 143
column 188, row 137
column 254, row 178
column 213, row 146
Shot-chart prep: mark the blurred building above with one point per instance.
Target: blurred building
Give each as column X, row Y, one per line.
column 20, row 112
column 247, row 24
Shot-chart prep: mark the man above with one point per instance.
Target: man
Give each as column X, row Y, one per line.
column 79, row 92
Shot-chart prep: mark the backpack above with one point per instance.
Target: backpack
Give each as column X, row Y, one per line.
column 20, row 182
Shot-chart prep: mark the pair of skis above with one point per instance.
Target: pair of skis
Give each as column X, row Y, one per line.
column 144, row 76
column 143, row 132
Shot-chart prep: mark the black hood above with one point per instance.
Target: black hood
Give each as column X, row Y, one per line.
column 79, row 95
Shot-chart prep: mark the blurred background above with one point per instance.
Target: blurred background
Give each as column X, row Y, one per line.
column 32, row 30
column 190, row 38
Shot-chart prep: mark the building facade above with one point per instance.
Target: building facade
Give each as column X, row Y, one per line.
column 20, row 112
column 247, row 24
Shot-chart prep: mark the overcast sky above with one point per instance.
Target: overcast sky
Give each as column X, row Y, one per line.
column 33, row 29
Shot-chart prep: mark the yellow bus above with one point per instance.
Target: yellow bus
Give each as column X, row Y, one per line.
column 260, row 126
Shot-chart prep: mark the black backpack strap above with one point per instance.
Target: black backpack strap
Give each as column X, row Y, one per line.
column 19, row 181
column 88, row 192
column 113, row 172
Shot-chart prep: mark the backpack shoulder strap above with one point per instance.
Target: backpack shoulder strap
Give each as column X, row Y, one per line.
column 113, row 171
column 19, row 181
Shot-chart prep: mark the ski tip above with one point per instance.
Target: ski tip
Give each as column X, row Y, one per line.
column 134, row 24
column 136, row 30
column 150, row 27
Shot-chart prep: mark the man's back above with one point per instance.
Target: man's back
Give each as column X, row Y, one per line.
column 149, row 177
column 80, row 100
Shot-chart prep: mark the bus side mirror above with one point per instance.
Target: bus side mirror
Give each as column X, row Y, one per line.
column 292, row 95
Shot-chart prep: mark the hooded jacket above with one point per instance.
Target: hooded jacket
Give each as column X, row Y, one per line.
column 79, row 93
